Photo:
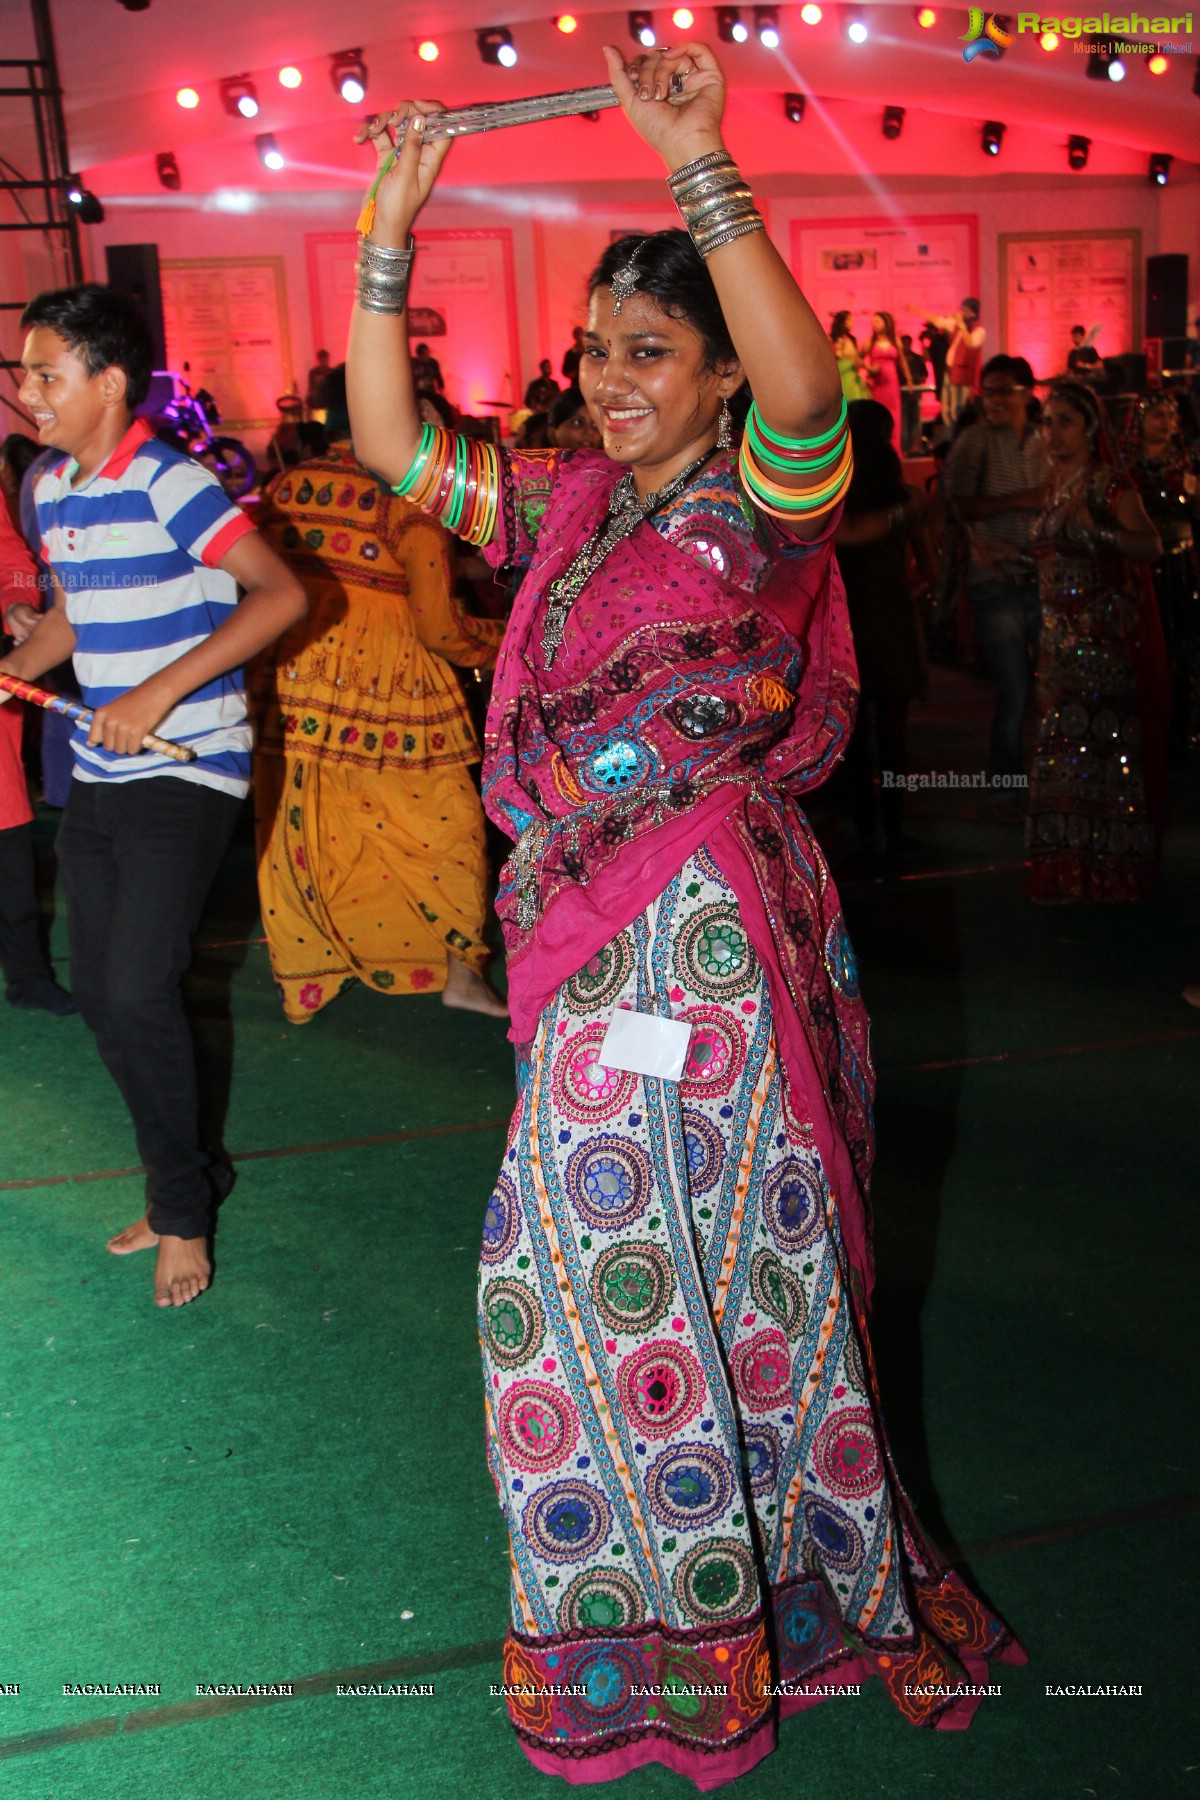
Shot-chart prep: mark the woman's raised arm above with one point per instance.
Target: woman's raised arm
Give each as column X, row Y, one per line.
column 674, row 102
column 384, row 421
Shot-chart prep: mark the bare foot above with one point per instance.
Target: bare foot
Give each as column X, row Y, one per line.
column 465, row 989
column 182, row 1271
column 134, row 1237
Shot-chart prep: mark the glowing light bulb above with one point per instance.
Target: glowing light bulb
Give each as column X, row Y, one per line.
column 1049, row 40
column 248, row 106
column 188, row 97
column 683, row 18
column 1158, row 65
column 1116, row 69
column 811, row 14
column 427, row 50
column 290, row 77
column 857, row 32
column 506, row 55
column 927, row 18
column 567, row 23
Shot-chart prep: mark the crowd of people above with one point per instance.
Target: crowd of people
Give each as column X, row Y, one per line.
column 710, row 555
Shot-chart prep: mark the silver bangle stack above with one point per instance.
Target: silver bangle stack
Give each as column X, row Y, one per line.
column 382, row 276
column 715, row 202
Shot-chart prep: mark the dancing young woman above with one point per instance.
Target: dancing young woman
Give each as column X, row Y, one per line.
column 1098, row 773
column 682, row 1420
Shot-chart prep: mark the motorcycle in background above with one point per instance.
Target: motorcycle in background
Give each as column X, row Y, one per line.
column 185, row 419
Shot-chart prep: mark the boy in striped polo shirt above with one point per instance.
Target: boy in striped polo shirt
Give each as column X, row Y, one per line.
column 146, row 555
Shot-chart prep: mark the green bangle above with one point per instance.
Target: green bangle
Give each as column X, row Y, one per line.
column 813, row 443
column 764, row 452
column 799, row 505
column 458, row 494
column 417, row 468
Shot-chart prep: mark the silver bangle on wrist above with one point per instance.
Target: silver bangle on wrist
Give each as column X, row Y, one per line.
column 382, row 276
column 716, row 205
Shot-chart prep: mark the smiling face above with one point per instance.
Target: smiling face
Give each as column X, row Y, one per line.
column 73, row 411
column 645, row 380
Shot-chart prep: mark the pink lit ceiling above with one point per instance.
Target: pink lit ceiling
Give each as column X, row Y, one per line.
column 121, row 70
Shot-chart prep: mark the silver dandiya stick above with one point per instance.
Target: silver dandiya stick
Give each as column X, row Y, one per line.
column 494, row 115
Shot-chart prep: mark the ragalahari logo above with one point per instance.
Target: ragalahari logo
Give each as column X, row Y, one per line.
column 985, row 35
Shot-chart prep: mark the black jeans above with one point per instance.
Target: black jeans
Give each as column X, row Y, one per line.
column 22, row 959
column 138, row 859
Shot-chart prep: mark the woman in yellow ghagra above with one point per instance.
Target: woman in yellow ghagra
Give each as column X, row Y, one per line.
column 371, row 861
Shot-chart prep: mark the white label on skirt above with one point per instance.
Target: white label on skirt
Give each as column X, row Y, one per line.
column 645, row 1045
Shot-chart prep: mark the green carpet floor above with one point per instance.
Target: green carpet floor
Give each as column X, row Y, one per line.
column 285, row 1481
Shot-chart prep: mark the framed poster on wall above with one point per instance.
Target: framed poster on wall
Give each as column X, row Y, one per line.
column 226, row 317
column 1052, row 280
column 913, row 267
column 463, row 299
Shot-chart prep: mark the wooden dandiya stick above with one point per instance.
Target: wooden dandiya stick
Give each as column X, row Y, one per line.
column 84, row 715
column 493, row 115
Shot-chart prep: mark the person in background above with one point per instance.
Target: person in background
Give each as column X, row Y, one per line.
column 295, row 438
column 571, row 425
column 371, row 861
column 573, row 357
column 849, row 358
column 159, row 636
column 1167, row 476
column 541, row 392
column 871, row 542
column 887, row 369
column 1083, row 359
column 427, row 372
column 315, row 398
column 934, row 343
column 995, row 483
column 1098, row 773
column 964, row 354
column 910, row 396
column 29, row 983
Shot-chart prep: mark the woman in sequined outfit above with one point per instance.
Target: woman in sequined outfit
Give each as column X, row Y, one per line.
column 1095, row 790
column 1167, row 476
column 706, row 1528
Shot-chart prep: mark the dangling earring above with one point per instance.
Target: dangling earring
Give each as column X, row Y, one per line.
column 725, row 428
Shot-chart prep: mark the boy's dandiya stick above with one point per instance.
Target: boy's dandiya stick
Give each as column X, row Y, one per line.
column 84, row 715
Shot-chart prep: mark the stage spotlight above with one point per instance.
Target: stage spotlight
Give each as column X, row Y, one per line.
column 496, row 45
column 269, row 153
column 239, row 96
column 811, row 14
column 348, row 72
column 427, row 50
column 926, row 18
column 793, row 108
column 1101, row 66
column 168, row 170
column 731, row 27
column 683, row 18
column 993, row 137
column 1160, row 170
column 857, row 29
column 1049, row 40
column 290, row 77
column 567, row 23
column 641, row 29
column 187, row 98
column 893, row 121
column 1116, row 69
column 1077, row 152
column 83, row 202
column 1158, row 65
column 766, row 23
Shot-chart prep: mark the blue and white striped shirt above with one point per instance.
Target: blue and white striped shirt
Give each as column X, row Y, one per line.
column 135, row 549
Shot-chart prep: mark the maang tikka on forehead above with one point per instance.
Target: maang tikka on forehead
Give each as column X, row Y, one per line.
column 625, row 280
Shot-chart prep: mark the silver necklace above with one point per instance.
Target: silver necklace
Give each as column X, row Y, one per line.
column 625, row 513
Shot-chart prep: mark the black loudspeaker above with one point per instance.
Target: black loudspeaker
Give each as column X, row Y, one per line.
column 1125, row 374
column 1166, row 296
column 133, row 271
